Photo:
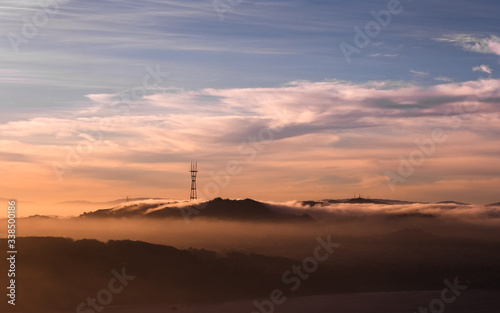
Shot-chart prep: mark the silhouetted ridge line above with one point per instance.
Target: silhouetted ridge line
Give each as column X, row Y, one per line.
column 358, row 200
column 218, row 208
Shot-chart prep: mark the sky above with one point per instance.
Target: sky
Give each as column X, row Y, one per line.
column 276, row 100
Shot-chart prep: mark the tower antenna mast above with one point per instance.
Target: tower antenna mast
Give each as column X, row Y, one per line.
column 194, row 170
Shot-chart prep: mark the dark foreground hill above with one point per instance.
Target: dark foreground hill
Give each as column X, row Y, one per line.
column 59, row 273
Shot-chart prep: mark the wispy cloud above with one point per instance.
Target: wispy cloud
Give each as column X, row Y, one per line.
column 482, row 68
column 386, row 55
column 443, row 79
column 419, row 73
column 474, row 43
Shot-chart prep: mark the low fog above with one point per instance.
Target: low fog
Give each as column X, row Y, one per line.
column 343, row 221
column 382, row 246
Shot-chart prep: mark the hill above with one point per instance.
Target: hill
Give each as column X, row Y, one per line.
column 61, row 273
column 358, row 200
column 218, row 208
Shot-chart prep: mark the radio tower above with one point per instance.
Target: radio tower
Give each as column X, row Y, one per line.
column 194, row 170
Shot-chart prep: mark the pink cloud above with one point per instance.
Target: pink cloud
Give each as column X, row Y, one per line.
column 494, row 47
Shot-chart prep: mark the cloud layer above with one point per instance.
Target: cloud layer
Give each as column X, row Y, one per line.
column 303, row 140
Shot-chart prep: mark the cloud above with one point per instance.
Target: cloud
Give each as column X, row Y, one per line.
column 300, row 108
column 494, row 46
column 418, row 73
column 482, row 68
column 443, row 79
column 335, row 210
column 474, row 43
column 387, row 55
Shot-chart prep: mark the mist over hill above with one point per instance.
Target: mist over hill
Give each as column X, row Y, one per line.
column 266, row 227
column 291, row 211
column 227, row 250
column 218, row 208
